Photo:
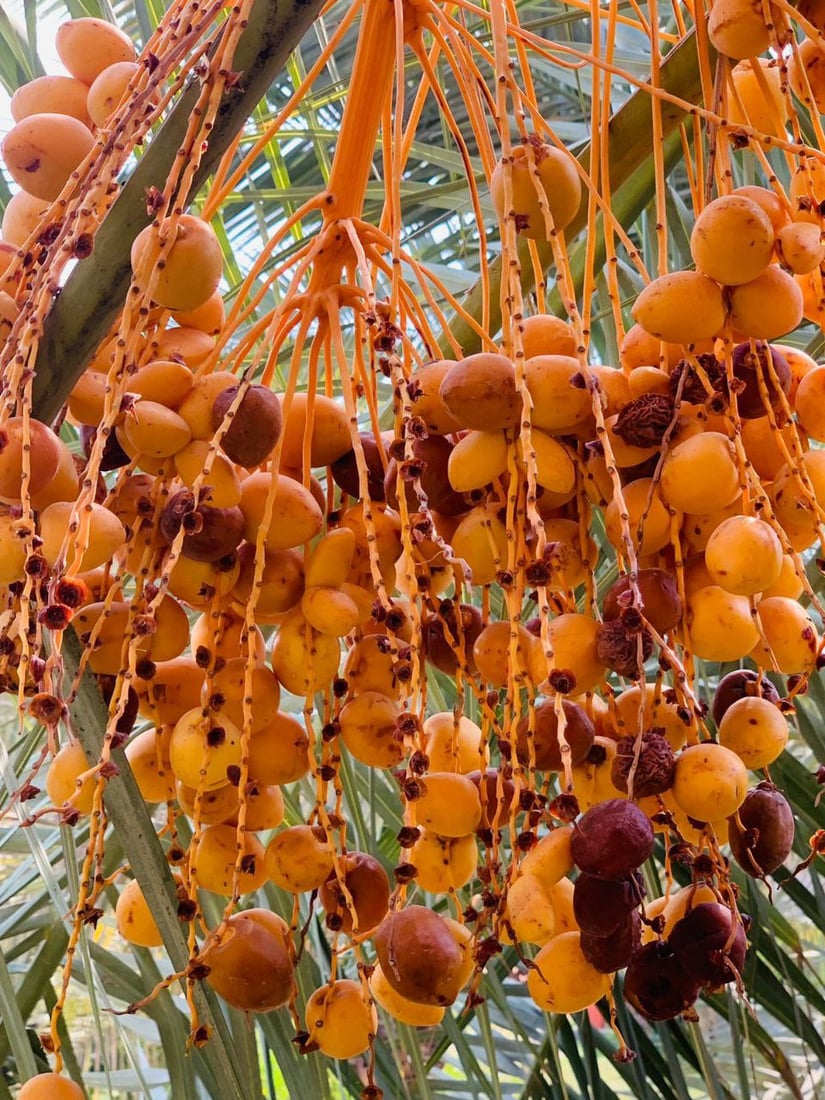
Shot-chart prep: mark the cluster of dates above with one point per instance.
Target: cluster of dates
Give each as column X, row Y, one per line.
column 221, row 545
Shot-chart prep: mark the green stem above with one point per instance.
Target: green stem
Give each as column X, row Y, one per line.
column 130, row 818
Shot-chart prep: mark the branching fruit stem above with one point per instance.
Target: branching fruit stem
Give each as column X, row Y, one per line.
column 95, row 291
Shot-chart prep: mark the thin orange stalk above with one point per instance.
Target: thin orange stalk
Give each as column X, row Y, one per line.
column 224, row 183
column 370, row 86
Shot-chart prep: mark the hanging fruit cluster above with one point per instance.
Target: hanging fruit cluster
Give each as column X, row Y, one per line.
column 268, row 587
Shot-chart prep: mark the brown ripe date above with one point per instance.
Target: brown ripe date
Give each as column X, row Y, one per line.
column 657, row 985
column 496, row 797
column 652, row 771
column 739, row 684
column 602, row 905
column 615, row 951
column 212, row 533
column 708, row 946
column 368, row 885
column 255, row 425
column 612, row 839
column 661, row 605
column 419, row 956
column 436, row 646
column 250, row 967
column 761, row 833
column 345, row 470
column 750, row 367
column 428, row 465
column 579, row 733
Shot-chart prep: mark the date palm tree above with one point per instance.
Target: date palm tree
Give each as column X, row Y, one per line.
column 764, row 1040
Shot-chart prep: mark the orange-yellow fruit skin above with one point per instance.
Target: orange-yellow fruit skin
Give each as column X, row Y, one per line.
column 341, row 1019
column 744, row 555
column 87, row 46
column 732, row 240
column 299, row 859
column 593, row 783
column 134, row 917
column 649, row 522
column 480, row 540
column 368, row 729
column 648, row 380
column 788, row 583
column 762, row 444
column 173, row 690
column 68, row 765
column 545, row 334
column 656, row 710
column 710, row 782
column 192, row 258
column 720, row 624
column 555, row 469
column 737, row 28
column 42, row 151
column 573, row 641
column 215, row 807
column 193, row 345
column 295, row 515
column 530, row 911
column 50, row 1086
column 329, row 431
column 476, row 460
column 279, row 753
column 215, row 859
column 148, row 756
column 800, row 247
column 443, row 863
column 775, row 206
column 151, row 429
column 700, row 474
column 553, row 184
column 164, row 381
column 402, row 1008
column 559, row 405
column 7, row 253
column 22, row 217
column 550, row 860
column 12, row 550
column 681, row 308
column 304, row 660
column 108, row 89
column 807, row 182
column 106, row 535
column 805, row 73
column 168, row 641
column 452, row 744
column 51, row 95
column 563, row 980
column 809, row 403
column 755, row 730
column 201, row 749
column 768, row 306
column 208, row 317
column 480, row 392
column 450, row 805
column 789, row 642
column 750, row 105
column 561, row 898
column 640, row 349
